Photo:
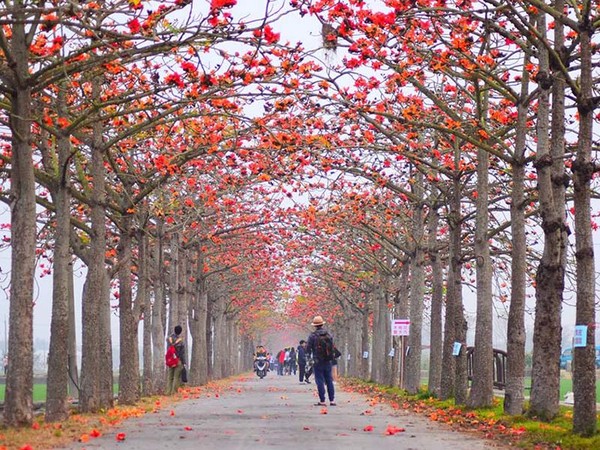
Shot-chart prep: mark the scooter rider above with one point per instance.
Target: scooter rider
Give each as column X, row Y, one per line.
column 261, row 352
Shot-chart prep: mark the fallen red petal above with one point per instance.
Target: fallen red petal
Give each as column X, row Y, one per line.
column 393, row 430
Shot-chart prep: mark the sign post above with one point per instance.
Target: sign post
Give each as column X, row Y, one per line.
column 401, row 327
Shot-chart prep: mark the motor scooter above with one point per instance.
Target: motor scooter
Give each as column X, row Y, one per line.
column 260, row 366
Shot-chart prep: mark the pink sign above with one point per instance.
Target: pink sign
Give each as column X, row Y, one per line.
column 400, row 327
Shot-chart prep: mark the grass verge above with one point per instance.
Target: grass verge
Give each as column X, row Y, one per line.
column 490, row 423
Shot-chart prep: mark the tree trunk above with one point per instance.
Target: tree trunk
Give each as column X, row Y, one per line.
column 57, row 408
column 218, row 340
column 417, row 292
column 197, row 321
column 551, row 270
column 380, row 324
column 159, row 311
column 92, row 316
column 173, row 280
column 454, row 368
column 107, row 396
column 72, row 360
column 584, row 358
column 437, row 297
column 514, row 397
column 143, row 300
column 183, row 290
column 19, row 380
column 402, row 308
column 482, row 387
column 129, row 369
column 364, row 364
column 210, row 341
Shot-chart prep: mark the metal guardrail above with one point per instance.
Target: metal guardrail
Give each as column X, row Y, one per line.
column 500, row 357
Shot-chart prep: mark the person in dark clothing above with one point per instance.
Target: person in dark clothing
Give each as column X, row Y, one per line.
column 293, row 361
column 174, row 373
column 302, row 374
column 322, row 366
column 309, row 369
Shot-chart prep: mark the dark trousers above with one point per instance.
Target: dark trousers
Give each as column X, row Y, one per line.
column 324, row 378
column 301, row 372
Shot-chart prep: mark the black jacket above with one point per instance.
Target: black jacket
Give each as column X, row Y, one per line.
column 301, row 355
column 311, row 348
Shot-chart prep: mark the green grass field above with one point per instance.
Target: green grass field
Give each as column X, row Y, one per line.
column 39, row 393
column 566, row 385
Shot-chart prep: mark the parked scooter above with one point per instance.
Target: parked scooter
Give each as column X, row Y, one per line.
column 261, row 366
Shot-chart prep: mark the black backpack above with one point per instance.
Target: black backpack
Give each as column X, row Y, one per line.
column 323, row 345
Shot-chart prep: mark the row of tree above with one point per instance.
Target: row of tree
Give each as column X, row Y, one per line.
column 208, row 173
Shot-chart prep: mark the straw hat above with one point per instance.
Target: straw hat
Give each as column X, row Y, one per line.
column 318, row 321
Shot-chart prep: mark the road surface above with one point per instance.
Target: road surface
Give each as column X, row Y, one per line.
column 279, row 412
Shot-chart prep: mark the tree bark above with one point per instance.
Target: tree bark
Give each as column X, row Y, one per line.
column 173, row 281
column 437, row 297
column 481, row 394
column 19, row 380
column 92, row 397
column 364, row 362
column 417, row 291
column 197, row 321
column 584, row 358
column 454, row 375
column 57, row 408
column 400, row 312
column 145, row 308
column 159, row 309
column 72, row 360
column 381, row 322
column 129, row 368
column 551, row 270
column 514, row 397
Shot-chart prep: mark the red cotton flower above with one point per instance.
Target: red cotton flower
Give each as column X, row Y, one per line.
column 175, row 78
column 220, row 4
column 120, row 437
column 134, row 26
column 393, row 430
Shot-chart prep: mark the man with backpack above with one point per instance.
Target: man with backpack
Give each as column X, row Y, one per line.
column 320, row 346
column 175, row 360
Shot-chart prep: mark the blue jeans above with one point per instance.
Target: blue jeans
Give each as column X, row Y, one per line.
column 322, row 371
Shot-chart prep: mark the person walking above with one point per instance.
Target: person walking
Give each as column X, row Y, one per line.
column 301, row 352
column 280, row 362
column 174, row 372
column 334, row 363
column 320, row 346
column 293, row 362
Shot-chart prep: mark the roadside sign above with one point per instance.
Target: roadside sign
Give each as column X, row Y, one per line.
column 400, row 327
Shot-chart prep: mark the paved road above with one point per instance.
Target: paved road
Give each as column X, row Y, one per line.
column 278, row 412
